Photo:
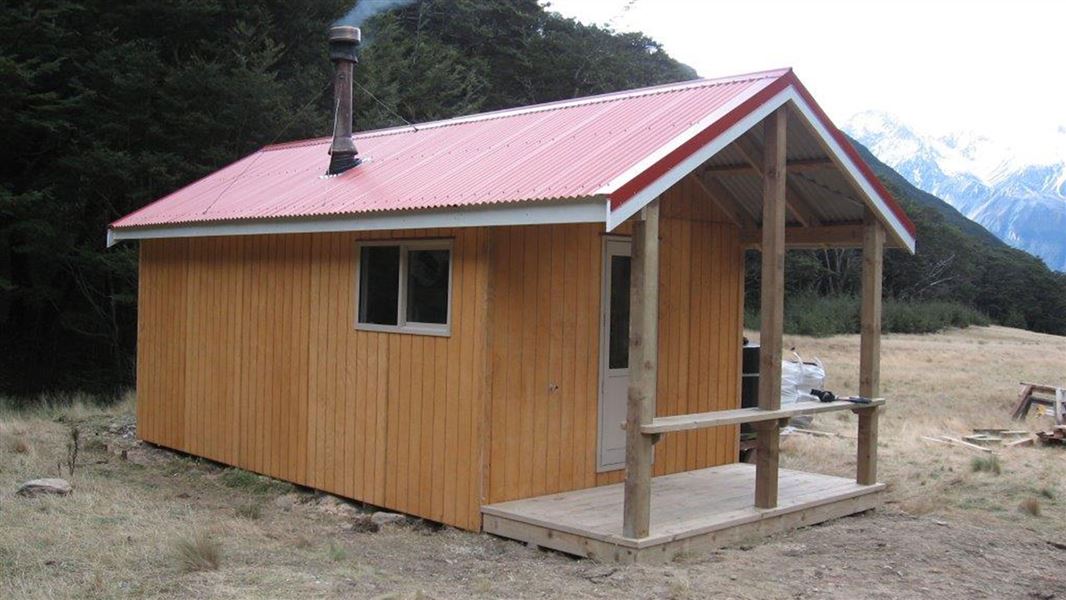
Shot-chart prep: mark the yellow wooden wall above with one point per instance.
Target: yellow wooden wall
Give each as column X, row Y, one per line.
column 247, row 355
column 544, row 347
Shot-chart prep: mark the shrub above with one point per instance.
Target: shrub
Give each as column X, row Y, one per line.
column 198, row 552
column 19, row 446
column 248, row 481
column 987, row 464
column 240, row 479
column 337, row 553
column 1030, row 506
column 252, row 511
column 928, row 316
column 819, row 316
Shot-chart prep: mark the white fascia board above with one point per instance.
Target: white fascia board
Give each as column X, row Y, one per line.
column 586, row 210
column 618, row 216
column 860, row 181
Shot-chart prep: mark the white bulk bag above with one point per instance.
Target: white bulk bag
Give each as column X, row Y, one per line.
column 798, row 378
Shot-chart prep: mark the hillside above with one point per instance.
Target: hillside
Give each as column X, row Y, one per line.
column 951, row 215
column 959, row 260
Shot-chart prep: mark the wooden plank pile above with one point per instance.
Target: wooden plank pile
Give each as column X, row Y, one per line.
column 1051, row 402
column 1007, row 438
column 986, row 440
column 947, row 440
column 1055, row 437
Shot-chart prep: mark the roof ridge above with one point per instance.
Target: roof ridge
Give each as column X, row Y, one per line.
column 583, row 101
column 545, row 106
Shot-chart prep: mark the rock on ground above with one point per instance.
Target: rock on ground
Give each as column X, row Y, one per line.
column 388, row 518
column 36, row 487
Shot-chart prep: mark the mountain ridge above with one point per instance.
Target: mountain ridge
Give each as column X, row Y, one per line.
column 1021, row 200
column 956, row 260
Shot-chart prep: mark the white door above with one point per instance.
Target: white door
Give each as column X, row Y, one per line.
column 614, row 354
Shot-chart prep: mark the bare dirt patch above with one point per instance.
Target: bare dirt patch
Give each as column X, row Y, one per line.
column 949, row 531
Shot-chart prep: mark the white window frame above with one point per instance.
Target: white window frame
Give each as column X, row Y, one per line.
column 402, row 324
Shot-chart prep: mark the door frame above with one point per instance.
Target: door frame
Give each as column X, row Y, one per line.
column 604, row 332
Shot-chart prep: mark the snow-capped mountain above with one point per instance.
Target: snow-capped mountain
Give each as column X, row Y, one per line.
column 1020, row 196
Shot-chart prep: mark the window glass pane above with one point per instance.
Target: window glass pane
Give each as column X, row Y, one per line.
column 427, row 286
column 379, row 284
column 618, row 357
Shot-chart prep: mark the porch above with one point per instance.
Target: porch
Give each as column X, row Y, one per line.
column 692, row 510
column 646, row 518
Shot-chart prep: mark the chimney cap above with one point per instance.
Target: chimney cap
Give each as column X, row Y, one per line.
column 345, row 33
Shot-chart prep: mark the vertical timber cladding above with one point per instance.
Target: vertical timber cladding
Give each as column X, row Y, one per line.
column 546, row 285
column 247, row 355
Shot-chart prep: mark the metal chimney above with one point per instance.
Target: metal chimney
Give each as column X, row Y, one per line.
column 343, row 40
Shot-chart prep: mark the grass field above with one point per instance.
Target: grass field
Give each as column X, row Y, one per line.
column 946, row 384
column 158, row 524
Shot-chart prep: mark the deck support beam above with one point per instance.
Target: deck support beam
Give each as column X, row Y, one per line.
column 643, row 372
column 772, row 298
column 873, row 247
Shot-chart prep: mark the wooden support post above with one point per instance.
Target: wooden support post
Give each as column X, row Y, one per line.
column 866, row 470
column 643, row 371
column 772, row 298
column 794, row 199
column 873, row 248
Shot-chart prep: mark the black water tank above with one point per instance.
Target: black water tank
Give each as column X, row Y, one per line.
column 749, row 376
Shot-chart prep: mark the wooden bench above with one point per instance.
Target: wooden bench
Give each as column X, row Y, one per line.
column 750, row 415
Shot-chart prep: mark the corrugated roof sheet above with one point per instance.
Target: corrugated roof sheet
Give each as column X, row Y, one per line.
column 589, row 147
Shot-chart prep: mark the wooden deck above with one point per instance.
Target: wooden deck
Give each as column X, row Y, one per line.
column 690, row 511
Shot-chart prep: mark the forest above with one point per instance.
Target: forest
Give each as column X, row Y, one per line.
column 107, row 106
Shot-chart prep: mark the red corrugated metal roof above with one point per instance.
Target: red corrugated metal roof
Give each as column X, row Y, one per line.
column 610, row 146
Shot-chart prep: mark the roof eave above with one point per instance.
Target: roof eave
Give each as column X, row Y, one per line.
column 586, row 209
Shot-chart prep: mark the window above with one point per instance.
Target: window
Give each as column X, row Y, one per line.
column 405, row 286
column 618, row 350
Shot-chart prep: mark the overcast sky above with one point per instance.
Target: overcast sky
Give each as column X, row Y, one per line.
column 997, row 68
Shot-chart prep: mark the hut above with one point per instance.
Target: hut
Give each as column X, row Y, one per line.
column 526, row 322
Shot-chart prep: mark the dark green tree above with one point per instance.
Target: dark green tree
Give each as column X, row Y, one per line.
column 105, row 107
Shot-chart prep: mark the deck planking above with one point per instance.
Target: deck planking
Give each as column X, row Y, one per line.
column 685, row 507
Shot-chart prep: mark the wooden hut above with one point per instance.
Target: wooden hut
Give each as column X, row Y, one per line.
column 526, row 322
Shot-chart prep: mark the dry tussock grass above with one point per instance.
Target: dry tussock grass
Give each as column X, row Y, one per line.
column 198, row 552
column 944, row 384
column 119, row 534
column 176, row 529
column 1030, row 506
